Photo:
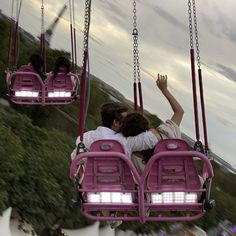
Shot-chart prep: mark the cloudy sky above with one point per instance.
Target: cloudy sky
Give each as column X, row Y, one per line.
column 163, row 48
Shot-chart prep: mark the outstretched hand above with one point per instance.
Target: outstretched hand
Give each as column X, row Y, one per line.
column 162, row 82
column 176, row 107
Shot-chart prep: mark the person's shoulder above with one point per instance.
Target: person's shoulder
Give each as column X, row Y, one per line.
column 119, row 135
column 90, row 131
column 100, row 130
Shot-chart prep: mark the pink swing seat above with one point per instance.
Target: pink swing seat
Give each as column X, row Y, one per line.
column 169, row 189
column 108, row 182
column 25, row 86
column 174, row 184
column 61, row 89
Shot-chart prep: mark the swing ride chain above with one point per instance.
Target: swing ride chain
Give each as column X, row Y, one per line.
column 18, row 10
column 196, row 34
column 86, row 24
column 42, row 18
column 135, row 45
column 190, row 23
column 195, row 28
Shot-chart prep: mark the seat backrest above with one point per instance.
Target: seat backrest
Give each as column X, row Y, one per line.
column 106, row 145
column 60, row 82
column 171, row 145
column 26, row 81
column 107, row 171
column 26, row 68
column 173, row 171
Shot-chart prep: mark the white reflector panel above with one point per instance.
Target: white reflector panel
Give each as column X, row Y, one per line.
column 168, row 197
column 126, row 198
column 93, row 197
column 105, row 197
column 191, row 197
column 110, row 197
column 26, row 94
column 61, row 94
column 179, row 197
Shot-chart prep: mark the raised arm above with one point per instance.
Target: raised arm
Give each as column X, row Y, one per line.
column 176, row 107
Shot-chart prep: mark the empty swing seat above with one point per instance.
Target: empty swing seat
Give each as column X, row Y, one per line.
column 61, row 89
column 106, row 182
column 172, row 184
column 25, row 86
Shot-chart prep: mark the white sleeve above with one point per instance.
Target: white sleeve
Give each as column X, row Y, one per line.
column 169, row 130
column 77, row 141
column 73, row 154
column 143, row 141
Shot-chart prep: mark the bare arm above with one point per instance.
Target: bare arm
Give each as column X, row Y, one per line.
column 176, row 107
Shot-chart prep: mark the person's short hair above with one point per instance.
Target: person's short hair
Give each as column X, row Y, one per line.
column 134, row 124
column 112, row 111
column 36, row 61
column 61, row 63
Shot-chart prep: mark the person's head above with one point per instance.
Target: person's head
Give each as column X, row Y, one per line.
column 62, row 64
column 36, row 62
column 112, row 115
column 134, row 124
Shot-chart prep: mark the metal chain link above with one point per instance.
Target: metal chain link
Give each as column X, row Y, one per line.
column 196, row 34
column 42, row 18
column 135, row 45
column 86, row 24
column 190, row 23
column 134, row 17
column 135, row 32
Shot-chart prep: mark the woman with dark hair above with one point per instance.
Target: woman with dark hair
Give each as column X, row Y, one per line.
column 36, row 62
column 135, row 123
column 62, row 65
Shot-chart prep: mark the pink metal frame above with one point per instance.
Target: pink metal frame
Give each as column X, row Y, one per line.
column 167, row 158
column 62, row 82
column 88, row 208
column 25, row 79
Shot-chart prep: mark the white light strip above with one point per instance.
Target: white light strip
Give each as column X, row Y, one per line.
column 168, row 197
column 191, row 197
column 105, row 197
column 26, row 94
column 179, row 197
column 59, row 94
column 156, row 198
column 173, row 197
column 110, row 197
column 93, row 197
